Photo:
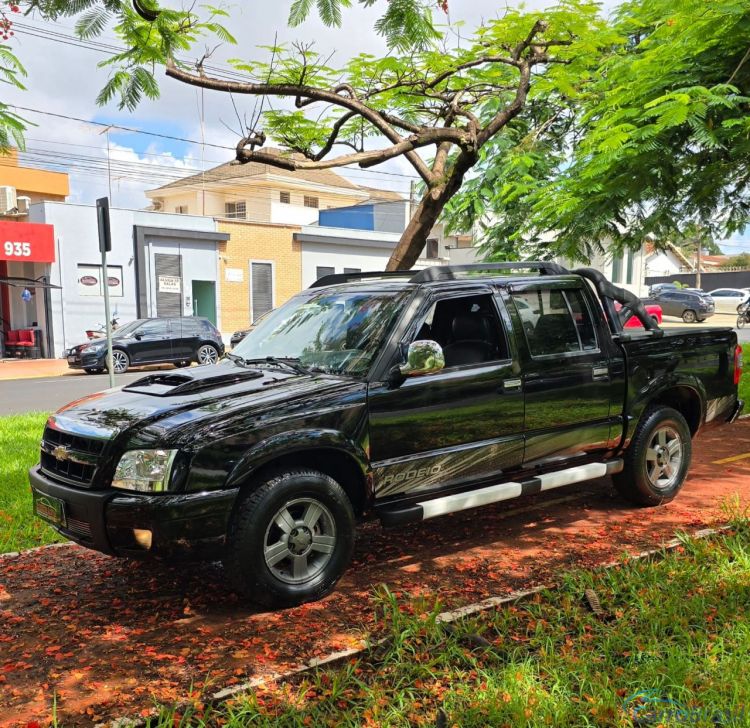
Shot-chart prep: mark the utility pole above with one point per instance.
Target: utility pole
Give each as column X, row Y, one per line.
column 105, row 245
column 109, row 166
column 698, row 264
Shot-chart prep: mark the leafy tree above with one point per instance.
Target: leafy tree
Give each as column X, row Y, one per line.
column 659, row 144
column 738, row 261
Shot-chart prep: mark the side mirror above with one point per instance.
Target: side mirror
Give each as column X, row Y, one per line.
column 423, row 357
column 138, row 335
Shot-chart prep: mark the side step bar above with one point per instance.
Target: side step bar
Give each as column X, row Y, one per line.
column 421, row 511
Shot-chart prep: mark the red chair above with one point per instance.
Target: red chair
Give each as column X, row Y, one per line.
column 11, row 342
column 25, row 343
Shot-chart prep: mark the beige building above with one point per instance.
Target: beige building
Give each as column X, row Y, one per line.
column 258, row 193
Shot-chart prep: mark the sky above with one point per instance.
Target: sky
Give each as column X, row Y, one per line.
column 63, row 78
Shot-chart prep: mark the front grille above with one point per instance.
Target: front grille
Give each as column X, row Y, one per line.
column 70, row 458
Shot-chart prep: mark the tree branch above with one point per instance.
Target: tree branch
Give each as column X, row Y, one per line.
column 303, row 91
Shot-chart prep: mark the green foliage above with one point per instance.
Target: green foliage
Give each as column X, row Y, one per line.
column 660, row 138
column 405, row 24
column 19, row 450
column 12, row 126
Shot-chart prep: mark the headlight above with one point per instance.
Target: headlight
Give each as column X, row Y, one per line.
column 147, row 471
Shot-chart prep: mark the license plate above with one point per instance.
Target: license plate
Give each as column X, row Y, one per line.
column 71, row 359
column 50, row 509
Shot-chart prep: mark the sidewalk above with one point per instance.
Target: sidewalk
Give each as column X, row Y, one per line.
column 33, row 368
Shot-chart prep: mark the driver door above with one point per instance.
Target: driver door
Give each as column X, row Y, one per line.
column 461, row 425
column 150, row 342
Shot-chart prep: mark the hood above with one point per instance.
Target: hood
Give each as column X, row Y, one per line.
column 175, row 402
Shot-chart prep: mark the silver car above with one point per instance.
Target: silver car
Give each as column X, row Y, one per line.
column 727, row 300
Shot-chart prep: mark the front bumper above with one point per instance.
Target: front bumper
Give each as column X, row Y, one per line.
column 87, row 360
column 183, row 525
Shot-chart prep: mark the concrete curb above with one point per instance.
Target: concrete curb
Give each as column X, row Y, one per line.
column 444, row 617
column 16, row 554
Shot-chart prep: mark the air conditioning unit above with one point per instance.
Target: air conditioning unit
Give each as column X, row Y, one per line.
column 8, row 200
column 22, row 203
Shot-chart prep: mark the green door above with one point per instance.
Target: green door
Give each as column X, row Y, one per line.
column 204, row 300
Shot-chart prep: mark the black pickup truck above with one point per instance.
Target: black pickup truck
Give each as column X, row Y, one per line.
column 401, row 396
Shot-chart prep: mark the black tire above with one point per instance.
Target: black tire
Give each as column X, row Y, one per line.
column 93, row 370
column 689, row 316
column 254, row 539
column 639, row 481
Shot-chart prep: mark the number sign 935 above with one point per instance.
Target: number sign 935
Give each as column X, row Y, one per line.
column 17, row 250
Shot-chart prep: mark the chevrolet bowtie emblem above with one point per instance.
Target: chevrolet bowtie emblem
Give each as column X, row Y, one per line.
column 61, row 453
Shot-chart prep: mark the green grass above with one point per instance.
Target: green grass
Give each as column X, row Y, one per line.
column 19, row 450
column 745, row 379
column 677, row 627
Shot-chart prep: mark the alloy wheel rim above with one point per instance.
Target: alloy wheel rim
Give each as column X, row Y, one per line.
column 664, row 457
column 207, row 355
column 119, row 361
column 299, row 541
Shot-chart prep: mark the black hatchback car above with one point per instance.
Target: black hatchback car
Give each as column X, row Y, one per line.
column 179, row 341
column 690, row 306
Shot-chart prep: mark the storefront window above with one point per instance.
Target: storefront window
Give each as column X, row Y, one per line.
column 90, row 280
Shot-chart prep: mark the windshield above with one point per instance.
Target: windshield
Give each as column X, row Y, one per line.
column 336, row 331
column 126, row 329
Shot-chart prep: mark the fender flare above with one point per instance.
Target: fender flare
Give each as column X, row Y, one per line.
column 283, row 444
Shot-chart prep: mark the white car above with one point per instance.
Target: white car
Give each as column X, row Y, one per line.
column 726, row 300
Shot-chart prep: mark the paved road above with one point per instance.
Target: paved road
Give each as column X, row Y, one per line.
column 48, row 394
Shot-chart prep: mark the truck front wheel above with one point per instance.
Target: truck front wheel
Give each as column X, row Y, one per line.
column 658, row 458
column 290, row 539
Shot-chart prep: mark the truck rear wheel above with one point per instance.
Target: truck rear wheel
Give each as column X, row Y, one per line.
column 658, row 458
column 290, row 539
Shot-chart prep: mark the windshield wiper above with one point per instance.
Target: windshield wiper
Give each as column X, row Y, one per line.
column 288, row 362
column 240, row 361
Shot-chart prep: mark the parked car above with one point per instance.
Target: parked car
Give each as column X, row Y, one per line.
column 238, row 336
column 402, row 398
column 687, row 305
column 632, row 321
column 179, row 341
column 728, row 300
column 658, row 287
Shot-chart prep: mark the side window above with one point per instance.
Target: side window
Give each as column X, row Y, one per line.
column 467, row 328
column 582, row 318
column 555, row 321
column 155, row 327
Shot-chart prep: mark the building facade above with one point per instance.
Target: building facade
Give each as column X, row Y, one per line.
column 158, row 266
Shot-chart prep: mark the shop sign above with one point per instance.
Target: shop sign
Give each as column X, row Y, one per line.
column 170, row 284
column 234, row 275
column 27, row 242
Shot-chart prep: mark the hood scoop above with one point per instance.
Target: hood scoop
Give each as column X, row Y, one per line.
column 204, row 378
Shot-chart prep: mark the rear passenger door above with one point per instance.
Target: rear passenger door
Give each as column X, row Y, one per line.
column 151, row 342
column 566, row 374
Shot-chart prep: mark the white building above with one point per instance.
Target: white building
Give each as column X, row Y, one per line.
column 159, row 265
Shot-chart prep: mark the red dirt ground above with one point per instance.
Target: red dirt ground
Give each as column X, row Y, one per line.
column 108, row 636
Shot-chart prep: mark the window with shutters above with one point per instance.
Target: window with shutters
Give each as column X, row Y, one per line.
column 235, row 210
column 352, row 270
column 285, row 197
column 324, row 270
column 312, row 201
column 261, row 289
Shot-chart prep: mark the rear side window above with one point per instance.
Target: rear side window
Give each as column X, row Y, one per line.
column 555, row 321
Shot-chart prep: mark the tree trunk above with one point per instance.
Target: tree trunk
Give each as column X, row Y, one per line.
column 423, row 219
